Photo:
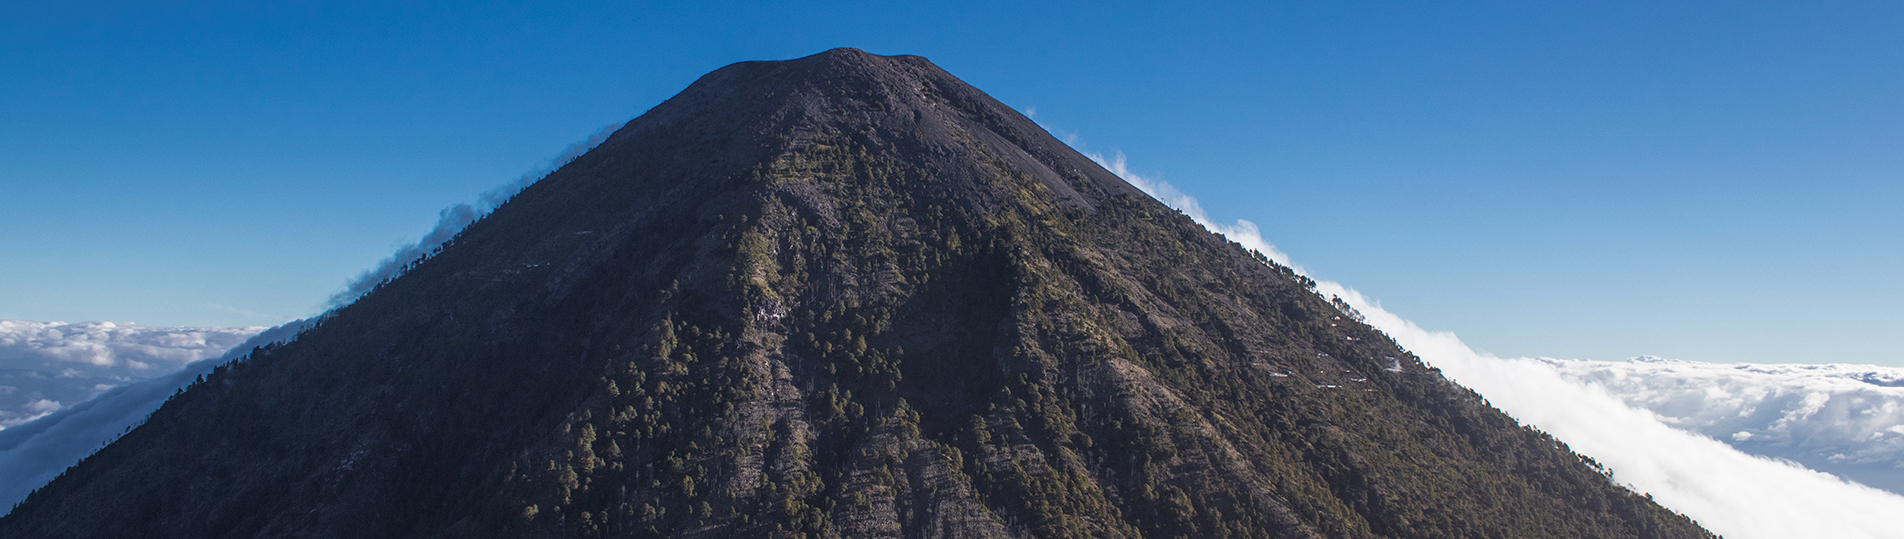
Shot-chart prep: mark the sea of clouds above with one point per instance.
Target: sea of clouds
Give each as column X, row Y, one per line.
column 1658, row 424
column 1844, row 419
column 45, row 366
column 33, row 453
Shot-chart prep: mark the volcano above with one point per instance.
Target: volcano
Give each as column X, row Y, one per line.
column 845, row 295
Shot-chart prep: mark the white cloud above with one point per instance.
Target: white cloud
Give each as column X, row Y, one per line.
column 43, row 406
column 1735, row 494
column 1845, row 419
column 1242, row 232
column 47, row 363
column 454, row 219
column 35, row 452
column 101, row 348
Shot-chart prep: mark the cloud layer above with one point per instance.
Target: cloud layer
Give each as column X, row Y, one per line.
column 47, row 365
column 34, row 453
column 1843, row 419
column 1738, row 495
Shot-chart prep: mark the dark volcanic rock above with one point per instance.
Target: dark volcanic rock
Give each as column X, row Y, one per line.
column 843, row 296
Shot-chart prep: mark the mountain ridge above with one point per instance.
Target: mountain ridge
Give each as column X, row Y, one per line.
column 843, row 295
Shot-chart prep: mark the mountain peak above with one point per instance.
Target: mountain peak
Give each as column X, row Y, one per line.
column 848, row 56
column 843, row 295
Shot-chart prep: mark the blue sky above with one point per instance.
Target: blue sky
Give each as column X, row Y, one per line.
column 1713, row 181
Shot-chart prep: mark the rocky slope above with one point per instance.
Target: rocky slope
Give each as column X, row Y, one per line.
column 840, row 296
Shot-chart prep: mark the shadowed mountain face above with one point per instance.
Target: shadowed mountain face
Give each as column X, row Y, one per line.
column 840, row 296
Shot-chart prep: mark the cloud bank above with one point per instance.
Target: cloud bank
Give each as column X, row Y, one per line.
column 34, row 453
column 1738, row 495
column 47, row 365
column 1843, row 419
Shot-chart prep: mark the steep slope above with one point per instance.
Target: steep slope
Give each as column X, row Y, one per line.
column 840, row 296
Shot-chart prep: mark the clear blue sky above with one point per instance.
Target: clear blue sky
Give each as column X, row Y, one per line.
column 1715, row 181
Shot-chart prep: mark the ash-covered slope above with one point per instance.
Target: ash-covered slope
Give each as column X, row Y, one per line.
column 840, row 296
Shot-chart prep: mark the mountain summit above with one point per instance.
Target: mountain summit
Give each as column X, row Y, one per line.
column 845, row 295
